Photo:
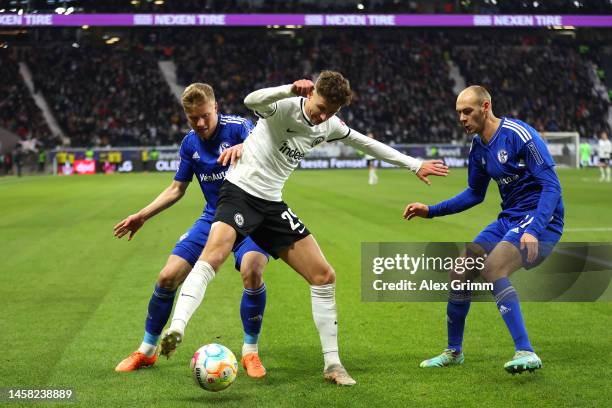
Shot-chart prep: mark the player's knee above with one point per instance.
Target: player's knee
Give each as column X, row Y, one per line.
column 493, row 271
column 325, row 276
column 169, row 278
column 252, row 271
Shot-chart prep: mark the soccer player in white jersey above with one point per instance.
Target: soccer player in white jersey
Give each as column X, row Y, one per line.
column 604, row 150
column 293, row 120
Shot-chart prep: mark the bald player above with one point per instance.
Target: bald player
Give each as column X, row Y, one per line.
column 513, row 154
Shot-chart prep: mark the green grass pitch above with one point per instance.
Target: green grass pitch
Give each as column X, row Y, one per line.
column 74, row 300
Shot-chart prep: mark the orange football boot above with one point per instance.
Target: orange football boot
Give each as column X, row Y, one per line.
column 252, row 365
column 135, row 361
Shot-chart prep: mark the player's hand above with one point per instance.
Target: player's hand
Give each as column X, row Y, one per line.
column 131, row 224
column 531, row 243
column 432, row 168
column 416, row 210
column 230, row 155
column 303, row 87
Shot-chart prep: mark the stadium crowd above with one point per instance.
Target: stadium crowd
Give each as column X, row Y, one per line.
column 18, row 111
column 115, row 94
column 550, row 86
column 107, row 95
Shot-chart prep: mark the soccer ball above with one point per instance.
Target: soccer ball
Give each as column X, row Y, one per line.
column 214, row 367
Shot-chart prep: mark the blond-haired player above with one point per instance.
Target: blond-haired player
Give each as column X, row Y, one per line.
column 294, row 119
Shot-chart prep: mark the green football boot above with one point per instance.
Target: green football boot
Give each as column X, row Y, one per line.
column 523, row 361
column 448, row 358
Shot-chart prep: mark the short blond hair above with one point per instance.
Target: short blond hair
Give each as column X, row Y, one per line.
column 197, row 94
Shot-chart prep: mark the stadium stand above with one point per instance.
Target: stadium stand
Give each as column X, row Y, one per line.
column 115, row 94
column 107, row 95
column 18, row 112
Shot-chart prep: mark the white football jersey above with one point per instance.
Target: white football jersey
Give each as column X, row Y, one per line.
column 277, row 144
column 605, row 148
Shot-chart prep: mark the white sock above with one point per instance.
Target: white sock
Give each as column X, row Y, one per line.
column 603, row 174
column 608, row 173
column 372, row 179
column 147, row 349
column 249, row 348
column 324, row 314
column 191, row 295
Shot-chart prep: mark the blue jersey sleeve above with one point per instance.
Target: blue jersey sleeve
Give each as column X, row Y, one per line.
column 540, row 164
column 535, row 153
column 245, row 129
column 478, row 182
column 185, row 171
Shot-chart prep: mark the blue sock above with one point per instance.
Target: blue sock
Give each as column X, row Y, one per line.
column 508, row 304
column 456, row 311
column 251, row 312
column 160, row 307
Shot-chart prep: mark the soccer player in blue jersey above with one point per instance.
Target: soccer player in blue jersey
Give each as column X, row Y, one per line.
column 531, row 221
column 206, row 152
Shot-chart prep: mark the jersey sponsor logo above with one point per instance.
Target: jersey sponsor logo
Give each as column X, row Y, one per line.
column 535, row 153
column 317, row 141
column 212, row 176
column 502, row 156
column 515, row 230
column 294, row 155
column 507, row 180
column 224, row 146
column 239, row 219
column 195, row 156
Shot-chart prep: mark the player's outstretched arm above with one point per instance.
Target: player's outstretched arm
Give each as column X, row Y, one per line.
column 381, row 151
column 167, row 198
column 416, row 210
column 262, row 101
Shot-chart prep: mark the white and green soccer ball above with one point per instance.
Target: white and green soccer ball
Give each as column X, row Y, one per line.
column 214, row 367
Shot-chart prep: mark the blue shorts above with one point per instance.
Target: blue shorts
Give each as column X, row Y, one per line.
column 511, row 229
column 190, row 244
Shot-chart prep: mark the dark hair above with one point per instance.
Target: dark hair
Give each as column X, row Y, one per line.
column 334, row 88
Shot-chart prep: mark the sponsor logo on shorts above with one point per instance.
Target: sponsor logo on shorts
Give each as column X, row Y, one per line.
column 239, row 219
column 185, row 235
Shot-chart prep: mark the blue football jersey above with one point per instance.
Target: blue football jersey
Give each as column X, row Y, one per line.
column 514, row 156
column 199, row 157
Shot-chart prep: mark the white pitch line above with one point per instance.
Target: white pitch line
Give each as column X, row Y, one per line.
column 587, row 229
